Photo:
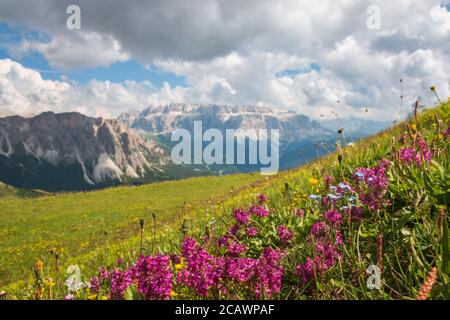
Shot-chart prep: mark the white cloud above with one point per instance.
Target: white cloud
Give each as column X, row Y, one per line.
column 24, row 92
column 230, row 52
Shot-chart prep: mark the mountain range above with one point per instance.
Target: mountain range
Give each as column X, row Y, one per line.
column 165, row 119
column 70, row 151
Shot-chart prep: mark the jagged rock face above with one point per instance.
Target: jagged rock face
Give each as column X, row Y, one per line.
column 167, row 118
column 73, row 148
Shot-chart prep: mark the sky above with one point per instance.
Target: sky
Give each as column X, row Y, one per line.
column 319, row 58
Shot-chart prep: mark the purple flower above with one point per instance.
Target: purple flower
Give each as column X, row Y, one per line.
column 241, row 216
column 285, row 234
column 407, row 155
column 318, row 229
column 154, row 277
column 262, row 198
column 235, row 248
column 328, row 181
column 241, row 270
column 94, row 284
column 418, row 154
column 120, row 280
column 334, row 217
column 234, row 229
column 252, row 232
column 202, row 271
column 259, row 211
column 299, row 213
column 372, row 187
column 269, row 273
column 103, row 273
column 447, row 132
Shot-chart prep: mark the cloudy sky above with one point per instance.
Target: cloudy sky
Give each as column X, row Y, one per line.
column 295, row 54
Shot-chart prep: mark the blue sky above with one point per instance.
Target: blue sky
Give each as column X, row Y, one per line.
column 116, row 72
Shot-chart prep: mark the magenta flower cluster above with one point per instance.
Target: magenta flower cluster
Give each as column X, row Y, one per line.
column 154, row 277
column 418, row 154
column 203, row 272
column 372, row 184
column 285, row 234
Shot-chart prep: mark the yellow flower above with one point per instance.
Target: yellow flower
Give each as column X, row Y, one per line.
column 313, row 181
column 173, row 293
column 92, row 296
column 39, row 266
column 414, row 127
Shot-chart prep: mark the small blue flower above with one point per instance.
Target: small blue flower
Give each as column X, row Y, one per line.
column 360, row 175
column 333, row 197
column 344, row 186
column 315, row 197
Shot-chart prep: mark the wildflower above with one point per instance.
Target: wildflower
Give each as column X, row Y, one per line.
column 241, row 270
column 407, row 155
column 236, row 248
column 154, row 277
column 269, row 273
column 344, row 187
column 313, row 181
column 173, row 294
column 120, row 280
column 318, row 229
column 259, row 211
column 119, row 261
column 306, row 270
column 299, row 213
column 424, row 292
column 315, row 197
column 353, row 212
column 285, row 234
column 69, row 297
column 202, row 271
column 447, row 132
column 252, row 232
column 418, row 153
column 328, row 180
column 103, row 273
column 372, row 187
column 234, row 229
column 94, row 285
column 241, row 216
column 262, row 198
column 334, row 217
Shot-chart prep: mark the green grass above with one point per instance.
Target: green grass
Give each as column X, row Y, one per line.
column 76, row 222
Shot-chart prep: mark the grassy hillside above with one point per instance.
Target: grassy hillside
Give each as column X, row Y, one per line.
column 313, row 234
column 76, row 223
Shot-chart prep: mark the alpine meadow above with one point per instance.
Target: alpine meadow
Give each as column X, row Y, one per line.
column 224, row 158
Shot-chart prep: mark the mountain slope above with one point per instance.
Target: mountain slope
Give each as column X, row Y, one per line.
column 165, row 119
column 299, row 136
column 71, row 151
